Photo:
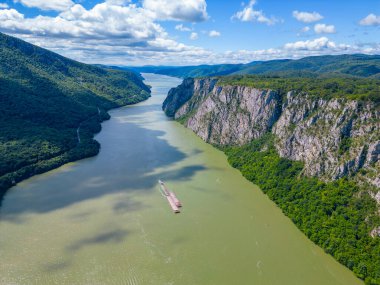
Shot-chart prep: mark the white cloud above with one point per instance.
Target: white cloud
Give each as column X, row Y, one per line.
column 214, row 34
column 324, row 29
column 10, row 15
column 249, row 14
column 370, row 20
column 193, row 36
column 130, row 35
column 106, row 28
column 303, row 31
column 182, row 28
column 307, row 17
column 294, row 50
column 166, row 51
column 101, row 22
column 313, row 45
column 57, row 5
column 4, row 6
column 180, row 10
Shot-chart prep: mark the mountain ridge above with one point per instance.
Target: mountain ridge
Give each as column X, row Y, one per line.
column 345, row 65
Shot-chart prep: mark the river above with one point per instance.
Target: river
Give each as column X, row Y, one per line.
column 102, row 220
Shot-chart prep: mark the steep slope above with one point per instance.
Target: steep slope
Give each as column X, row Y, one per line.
column 48, row 103
column 356, row 65
column 312, row 150
column 332, row 135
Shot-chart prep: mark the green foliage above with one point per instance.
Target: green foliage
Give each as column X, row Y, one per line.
column 351, row 88
column 355, row 65
column 337, row 216
column 344, row 145
column 44, row 97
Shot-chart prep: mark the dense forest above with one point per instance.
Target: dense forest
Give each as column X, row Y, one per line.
column 349, row 65
column 338, row 216
column 362, row 89
column 44, row 98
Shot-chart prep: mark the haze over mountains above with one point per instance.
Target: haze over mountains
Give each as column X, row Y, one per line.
column 357, row 65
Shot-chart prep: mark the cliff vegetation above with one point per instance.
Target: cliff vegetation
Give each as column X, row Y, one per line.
column 312, row 145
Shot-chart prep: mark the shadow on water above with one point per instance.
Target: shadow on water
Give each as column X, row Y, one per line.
column 57, row 266
column 183, row 173
column 124, row 206
column 129, row 156
column 80, row 216
column 115, row 236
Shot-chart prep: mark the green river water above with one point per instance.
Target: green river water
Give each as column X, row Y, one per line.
column 103, row 221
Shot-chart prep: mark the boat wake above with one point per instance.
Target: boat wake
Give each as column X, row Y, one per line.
column 173, row 201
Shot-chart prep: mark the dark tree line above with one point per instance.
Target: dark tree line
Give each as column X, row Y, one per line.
column 338, row 216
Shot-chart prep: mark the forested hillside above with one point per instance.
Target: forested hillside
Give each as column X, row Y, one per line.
column 338, row 216
column 44, row 98
column 359, row 65
column 363, row 89
column 356, row 65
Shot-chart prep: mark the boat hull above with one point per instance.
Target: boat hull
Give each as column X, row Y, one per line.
column 171, row 197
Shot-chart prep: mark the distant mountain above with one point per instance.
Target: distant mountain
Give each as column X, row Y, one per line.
column 356, row 65
column 191, row 71
column 320, row 66
column 44, row 98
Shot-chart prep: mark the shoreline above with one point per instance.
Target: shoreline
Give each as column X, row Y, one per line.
column 85, row 148
column 263, row 187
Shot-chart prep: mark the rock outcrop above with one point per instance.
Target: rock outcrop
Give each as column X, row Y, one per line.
column 333, row 137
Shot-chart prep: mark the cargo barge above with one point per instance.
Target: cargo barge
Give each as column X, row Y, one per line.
column 171, row 197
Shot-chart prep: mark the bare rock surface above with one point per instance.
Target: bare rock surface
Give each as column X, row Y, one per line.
column 333, row 137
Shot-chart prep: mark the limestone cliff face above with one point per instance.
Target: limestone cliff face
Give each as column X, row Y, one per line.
column 175, row 99
column 231, row 114
column 334, row 137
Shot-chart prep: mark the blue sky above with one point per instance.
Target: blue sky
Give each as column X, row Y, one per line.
column 185, row 32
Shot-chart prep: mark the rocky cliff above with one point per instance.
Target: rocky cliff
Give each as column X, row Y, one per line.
column 333, row 137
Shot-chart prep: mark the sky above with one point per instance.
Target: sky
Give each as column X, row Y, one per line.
column 192, row 32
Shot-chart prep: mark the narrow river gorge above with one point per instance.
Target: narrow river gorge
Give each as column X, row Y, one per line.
column 103, row 221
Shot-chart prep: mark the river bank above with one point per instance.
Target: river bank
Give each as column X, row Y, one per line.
column 102, row 220
column 86, row 147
